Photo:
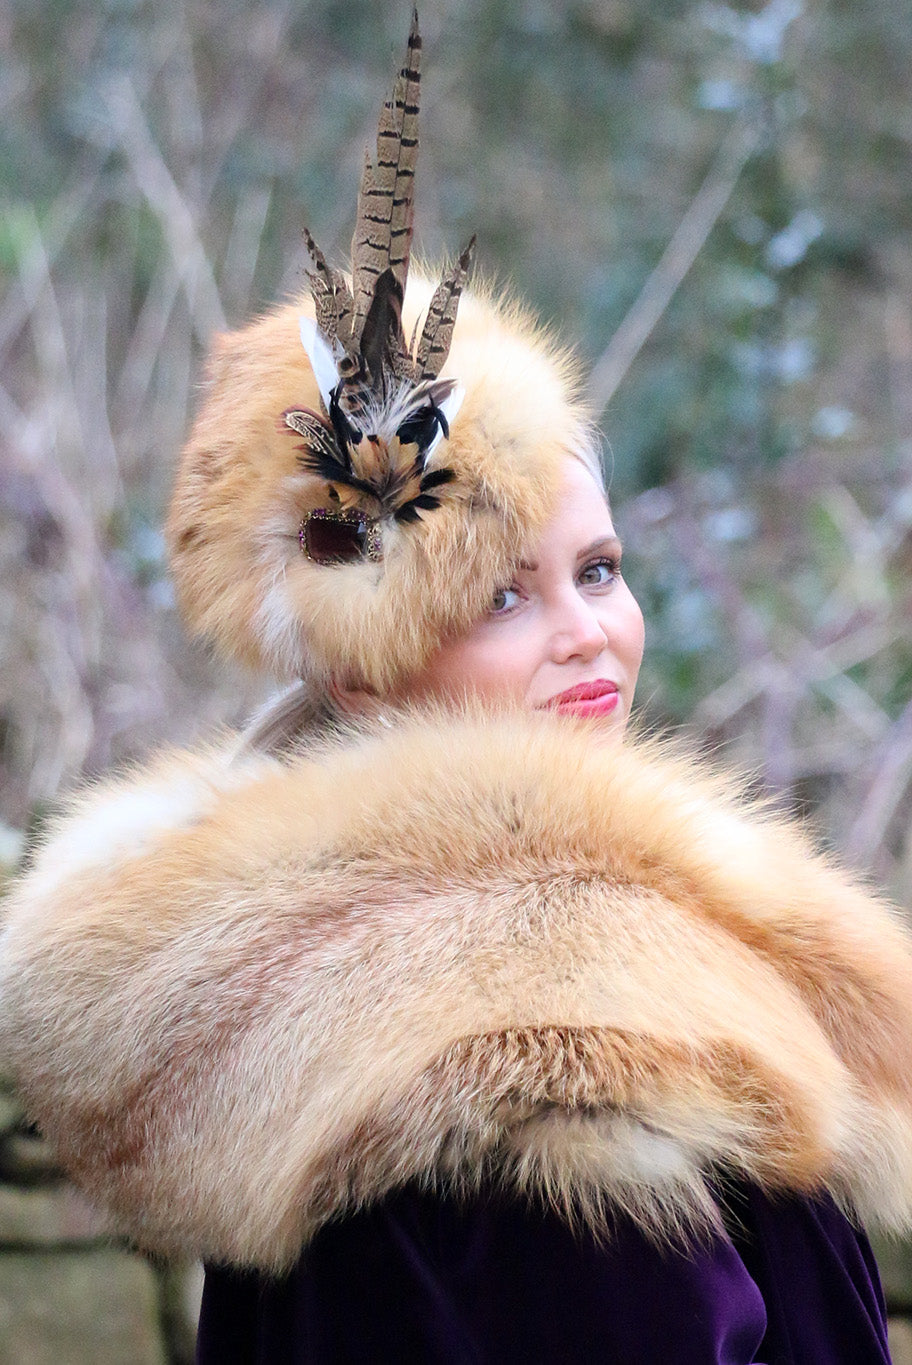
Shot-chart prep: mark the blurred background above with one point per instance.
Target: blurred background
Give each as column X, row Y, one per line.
column 713, row 200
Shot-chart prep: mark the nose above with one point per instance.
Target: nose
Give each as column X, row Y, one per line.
column 578, row 632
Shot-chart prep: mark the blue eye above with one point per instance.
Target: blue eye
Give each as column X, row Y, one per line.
column 600, row 573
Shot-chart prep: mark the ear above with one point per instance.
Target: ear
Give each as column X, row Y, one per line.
column 320, row 357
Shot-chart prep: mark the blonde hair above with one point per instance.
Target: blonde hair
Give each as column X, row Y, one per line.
column 589, row 454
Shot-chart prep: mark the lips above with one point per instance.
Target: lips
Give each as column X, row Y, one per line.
column 597, row 698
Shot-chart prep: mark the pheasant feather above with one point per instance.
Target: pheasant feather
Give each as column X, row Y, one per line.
column 383, row 233
column 385, row 406
column 434, row 346
column 332, row 298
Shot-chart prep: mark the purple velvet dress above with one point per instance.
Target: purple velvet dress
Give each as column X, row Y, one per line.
column 420, row 1280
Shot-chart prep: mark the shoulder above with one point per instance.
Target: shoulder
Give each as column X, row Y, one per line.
column 470, row 943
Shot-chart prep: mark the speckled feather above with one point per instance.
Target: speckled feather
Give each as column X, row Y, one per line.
column 382, row 384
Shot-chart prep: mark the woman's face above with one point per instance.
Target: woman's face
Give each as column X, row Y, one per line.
column 566, row 633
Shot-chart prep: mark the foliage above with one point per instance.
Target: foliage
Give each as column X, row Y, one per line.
column 158, row 166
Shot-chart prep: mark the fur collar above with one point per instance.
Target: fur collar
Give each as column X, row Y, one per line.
column 243, row 995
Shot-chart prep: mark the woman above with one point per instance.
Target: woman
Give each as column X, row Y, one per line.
column 446, row 1024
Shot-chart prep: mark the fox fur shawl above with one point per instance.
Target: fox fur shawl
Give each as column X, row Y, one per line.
column 246, row 993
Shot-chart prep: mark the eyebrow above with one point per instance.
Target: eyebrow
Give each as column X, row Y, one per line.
column 607, row 544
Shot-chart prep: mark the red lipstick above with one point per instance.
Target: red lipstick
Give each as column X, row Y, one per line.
column 597, row 698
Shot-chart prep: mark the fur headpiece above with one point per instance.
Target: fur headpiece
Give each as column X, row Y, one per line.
column 343, row 505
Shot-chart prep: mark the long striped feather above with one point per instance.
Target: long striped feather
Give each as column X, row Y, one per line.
column 383, row 232
column 386, row 409
column 437, row 332
column 332, row 298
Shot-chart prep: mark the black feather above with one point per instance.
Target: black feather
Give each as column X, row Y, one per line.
column 382, row 339
column 347, row 434
column 333, row 472
column 420, row 428
column 321, row 453
column 436, row 478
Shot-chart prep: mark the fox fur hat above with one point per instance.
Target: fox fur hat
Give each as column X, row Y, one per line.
column 347, row 499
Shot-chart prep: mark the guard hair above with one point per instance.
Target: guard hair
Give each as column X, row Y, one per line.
column 470, row 949
column 243, row 490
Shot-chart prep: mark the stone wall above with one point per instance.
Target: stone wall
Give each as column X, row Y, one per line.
column 895, row 1261
column 69, row 1294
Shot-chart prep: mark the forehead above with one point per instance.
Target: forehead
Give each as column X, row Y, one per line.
column 581, row 513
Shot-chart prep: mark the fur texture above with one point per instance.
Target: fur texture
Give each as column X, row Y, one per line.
column 464, row 949
column 242, row 492
column 453, row 453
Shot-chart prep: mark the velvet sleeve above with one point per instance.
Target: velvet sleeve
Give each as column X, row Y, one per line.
column 495, row 1282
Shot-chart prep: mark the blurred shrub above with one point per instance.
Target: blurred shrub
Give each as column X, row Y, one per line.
column 158, row 165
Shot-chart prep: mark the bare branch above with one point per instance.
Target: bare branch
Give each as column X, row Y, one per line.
column 892, row 772
column 157, row 184
column 677, row 258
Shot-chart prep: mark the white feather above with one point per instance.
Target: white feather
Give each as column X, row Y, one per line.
column 449, row 407
column 321, row 358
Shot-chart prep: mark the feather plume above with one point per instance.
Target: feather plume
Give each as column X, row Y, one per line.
column 387, row 409
column 434, row 346
column 383, row 233
column 332, row 298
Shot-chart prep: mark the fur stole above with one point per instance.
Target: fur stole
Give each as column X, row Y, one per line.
column 245, row 994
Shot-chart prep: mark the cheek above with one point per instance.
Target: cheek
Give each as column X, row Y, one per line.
column 455, row 669
column 487, row 664
column 630, row 630
column 487, row 667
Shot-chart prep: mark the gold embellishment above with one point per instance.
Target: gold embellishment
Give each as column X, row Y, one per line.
column 358, row 536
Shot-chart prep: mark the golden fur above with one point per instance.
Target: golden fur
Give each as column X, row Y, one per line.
column 241, row 495
column 468, row 948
